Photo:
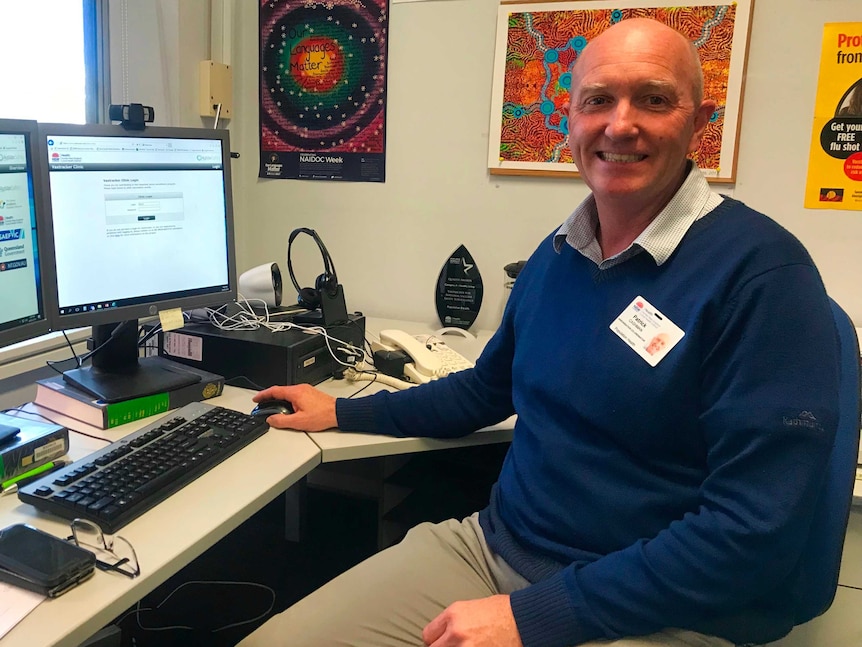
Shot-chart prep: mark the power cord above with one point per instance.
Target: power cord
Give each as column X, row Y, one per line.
column 79, row 361
column 139, row 609
column 354, row 375
column 344, row 353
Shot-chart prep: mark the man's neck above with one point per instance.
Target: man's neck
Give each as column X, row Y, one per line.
column 622, row 220
column 618, row 228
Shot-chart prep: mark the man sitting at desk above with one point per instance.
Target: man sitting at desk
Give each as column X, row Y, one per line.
column 646, row 498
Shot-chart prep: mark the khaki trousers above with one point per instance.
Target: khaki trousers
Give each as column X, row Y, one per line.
column 387, row 600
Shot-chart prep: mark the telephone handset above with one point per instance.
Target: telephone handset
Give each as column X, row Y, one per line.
column 432, row 358
column 425, row 367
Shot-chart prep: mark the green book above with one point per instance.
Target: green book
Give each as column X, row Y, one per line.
column 56, row 394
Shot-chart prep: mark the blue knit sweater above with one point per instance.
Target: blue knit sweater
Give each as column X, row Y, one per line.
column 636, row 498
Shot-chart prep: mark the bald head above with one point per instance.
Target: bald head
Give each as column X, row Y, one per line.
column 636, row 112
column 649, row 35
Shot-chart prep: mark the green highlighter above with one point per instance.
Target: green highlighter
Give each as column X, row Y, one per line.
column 36, row 472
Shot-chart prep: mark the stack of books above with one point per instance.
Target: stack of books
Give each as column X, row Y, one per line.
column 35, row 444
column 56, row 394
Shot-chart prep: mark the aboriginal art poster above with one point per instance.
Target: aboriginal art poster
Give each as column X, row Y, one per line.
column 537, row 43
column 323, row 89
column 835, row 157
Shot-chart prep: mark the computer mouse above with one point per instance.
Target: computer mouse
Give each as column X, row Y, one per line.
column 268, row 408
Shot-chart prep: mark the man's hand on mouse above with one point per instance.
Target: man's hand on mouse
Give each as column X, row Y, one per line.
column 314, row 410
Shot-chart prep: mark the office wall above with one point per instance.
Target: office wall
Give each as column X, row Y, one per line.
column 390, row 240
column 155, row 47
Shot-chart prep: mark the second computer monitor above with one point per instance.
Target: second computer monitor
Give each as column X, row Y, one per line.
column 142, row 222
column 23, row 236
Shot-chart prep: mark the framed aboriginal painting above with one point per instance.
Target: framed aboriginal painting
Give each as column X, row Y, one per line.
column 537, row 42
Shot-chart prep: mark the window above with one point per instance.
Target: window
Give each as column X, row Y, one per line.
column 49, row 60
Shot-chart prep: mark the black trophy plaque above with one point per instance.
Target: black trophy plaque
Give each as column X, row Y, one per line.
column 459, row 290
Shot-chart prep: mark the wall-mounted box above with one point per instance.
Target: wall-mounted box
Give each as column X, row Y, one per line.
column 216, row 88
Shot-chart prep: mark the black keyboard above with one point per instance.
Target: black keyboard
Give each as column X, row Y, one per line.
column 120, row 482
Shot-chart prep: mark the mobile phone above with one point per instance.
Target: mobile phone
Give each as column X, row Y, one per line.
column 7, row 432
column 38, row 561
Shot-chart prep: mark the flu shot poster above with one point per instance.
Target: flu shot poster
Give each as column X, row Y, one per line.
column 835, row 160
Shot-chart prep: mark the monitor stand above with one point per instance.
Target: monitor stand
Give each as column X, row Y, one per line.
column 117, row 373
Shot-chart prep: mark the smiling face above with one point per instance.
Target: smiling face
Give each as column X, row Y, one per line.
column 635, row 113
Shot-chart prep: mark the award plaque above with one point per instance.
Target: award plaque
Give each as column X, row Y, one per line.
column 459, row 290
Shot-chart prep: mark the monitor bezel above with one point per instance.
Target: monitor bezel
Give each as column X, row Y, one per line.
column 142, row 310
column 45, row 243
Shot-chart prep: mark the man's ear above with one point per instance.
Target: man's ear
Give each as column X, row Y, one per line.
column 701, row 119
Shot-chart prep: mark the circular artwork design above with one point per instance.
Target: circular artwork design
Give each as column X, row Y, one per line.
column 323, row 77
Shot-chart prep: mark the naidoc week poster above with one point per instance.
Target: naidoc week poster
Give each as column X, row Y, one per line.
column 323, row 89
column 835, row 160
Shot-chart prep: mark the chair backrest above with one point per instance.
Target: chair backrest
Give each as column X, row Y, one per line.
column 817, row 573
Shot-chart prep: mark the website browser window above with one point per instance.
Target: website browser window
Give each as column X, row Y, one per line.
column 136, row 218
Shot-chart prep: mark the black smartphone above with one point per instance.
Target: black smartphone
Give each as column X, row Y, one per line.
column 7, row 432
column 38, row 561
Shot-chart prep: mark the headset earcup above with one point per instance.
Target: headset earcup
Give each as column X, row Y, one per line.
column 323, row 283
column 309, row 298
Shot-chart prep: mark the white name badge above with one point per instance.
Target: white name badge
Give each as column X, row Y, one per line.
column 650, row 334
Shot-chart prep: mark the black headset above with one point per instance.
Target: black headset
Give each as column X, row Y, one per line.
column 327, row 282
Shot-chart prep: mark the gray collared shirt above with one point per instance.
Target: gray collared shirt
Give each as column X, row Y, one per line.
column 692, row 201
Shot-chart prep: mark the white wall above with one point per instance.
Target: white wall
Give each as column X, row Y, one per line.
column 155, row 48
column 390, row 240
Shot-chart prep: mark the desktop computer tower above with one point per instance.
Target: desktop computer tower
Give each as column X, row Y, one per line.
column 263, row 357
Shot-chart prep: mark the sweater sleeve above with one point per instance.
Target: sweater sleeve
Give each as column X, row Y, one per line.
column 768, row 415
column 447, row 408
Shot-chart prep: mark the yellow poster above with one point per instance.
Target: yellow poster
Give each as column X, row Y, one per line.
column 835, row 160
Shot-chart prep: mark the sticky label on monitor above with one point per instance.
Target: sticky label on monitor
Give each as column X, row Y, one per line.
column 171, row 319
column 184, row 346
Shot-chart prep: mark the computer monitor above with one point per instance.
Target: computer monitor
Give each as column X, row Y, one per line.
column 24, row 246
column 142, row 222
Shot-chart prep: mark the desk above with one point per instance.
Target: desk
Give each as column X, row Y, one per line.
column 341, row 446
column 170, row 535
column 192, row 520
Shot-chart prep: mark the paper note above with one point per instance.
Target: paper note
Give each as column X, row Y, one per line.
column 15, row 604
column 171, row 319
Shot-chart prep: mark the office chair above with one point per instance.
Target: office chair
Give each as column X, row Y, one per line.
column 815, row 579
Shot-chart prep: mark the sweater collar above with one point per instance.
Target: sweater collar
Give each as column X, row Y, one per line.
column 659, row 239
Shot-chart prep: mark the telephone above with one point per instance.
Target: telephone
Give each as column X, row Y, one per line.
column 432, row 358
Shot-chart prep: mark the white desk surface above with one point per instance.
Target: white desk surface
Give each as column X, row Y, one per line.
column 340, row 446
column 170, row 535
column 182, row 527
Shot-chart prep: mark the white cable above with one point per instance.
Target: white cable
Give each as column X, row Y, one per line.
column 137, row 611
column 353, row 375
column 247, row 319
